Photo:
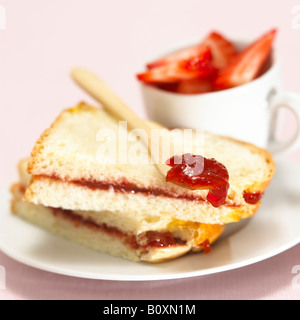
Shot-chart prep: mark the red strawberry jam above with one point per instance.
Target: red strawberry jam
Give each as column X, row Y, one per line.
column 159, row 239
column 197, row 172
column 252, row 197
column 206, row 246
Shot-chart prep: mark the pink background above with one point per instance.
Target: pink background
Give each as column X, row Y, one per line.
column 43, row 40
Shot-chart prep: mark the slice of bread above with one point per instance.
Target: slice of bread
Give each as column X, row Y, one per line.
column 116, row 233
column 71, row 171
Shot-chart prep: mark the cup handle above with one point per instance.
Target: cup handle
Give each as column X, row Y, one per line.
column 291, row 101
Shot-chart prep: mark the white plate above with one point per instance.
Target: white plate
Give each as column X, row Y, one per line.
column 274, row 229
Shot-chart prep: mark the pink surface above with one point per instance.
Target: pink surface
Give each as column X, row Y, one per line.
column 270, row 279
column 43, row 40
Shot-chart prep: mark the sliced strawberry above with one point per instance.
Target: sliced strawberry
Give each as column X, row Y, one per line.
column 193, row 86
column 247, row 65
column 223, row 51
column 183, row 54
column 196, row 67
column 168, row 86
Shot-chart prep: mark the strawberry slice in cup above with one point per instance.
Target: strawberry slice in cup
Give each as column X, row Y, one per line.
column 199, row 66
column 199, row 50
column 223, row 51
column 248, row 63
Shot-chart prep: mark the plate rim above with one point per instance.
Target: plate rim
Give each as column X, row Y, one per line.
column 171, row 276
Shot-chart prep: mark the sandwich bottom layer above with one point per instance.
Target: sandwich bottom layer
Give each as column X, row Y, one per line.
column 149, row 246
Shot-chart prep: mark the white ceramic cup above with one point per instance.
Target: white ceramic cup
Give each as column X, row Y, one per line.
column 248, row 112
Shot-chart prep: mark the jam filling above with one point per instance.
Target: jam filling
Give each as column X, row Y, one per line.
column 206, row 246
column 196, row 172
column 252, row 197
column 143, row 241
column 127, row 187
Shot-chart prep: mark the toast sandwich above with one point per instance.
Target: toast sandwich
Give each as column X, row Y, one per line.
column 70, row 187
